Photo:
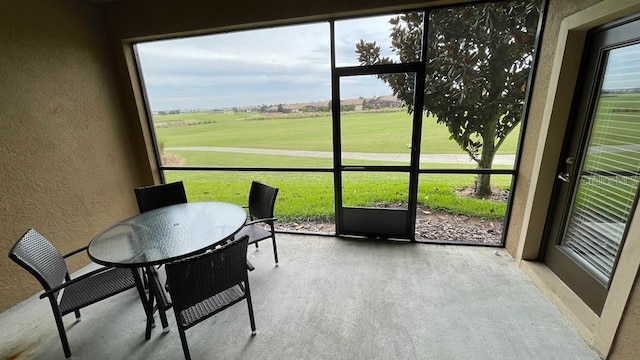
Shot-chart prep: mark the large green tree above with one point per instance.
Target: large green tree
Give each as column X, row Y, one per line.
column 478, row 62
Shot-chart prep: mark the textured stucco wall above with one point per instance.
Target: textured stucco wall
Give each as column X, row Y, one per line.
column 556, row 12
column 66, row 163
column 626, row 345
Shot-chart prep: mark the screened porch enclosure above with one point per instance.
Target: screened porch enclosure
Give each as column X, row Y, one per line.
column 328, row 113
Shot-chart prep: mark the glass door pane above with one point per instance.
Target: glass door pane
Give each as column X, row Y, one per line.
column 597, row 184
column 608, row 180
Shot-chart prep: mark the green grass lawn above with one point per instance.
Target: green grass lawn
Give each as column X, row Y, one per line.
column 382, row 132
column 309, row 196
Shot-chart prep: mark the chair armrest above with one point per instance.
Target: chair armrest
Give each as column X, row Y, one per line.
column 264, row 220
column 74, row 280
column 84, row 248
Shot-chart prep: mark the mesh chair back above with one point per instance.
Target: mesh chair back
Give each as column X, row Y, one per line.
column 198, row 278
column 157, row 196
column 41, row 258
column 262, row 199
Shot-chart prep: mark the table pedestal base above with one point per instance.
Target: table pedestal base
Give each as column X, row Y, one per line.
column 156, row 295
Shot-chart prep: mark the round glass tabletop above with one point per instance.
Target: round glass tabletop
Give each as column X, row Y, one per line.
column 166, row 234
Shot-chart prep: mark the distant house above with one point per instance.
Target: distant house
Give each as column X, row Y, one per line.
column 315, row 106
column 293, row 108
column 389, row 101
column 353, row 104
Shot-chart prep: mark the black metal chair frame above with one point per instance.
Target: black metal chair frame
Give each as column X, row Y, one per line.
column 262, row 200
column 204, row 285
column 156, row 196
column 42, row 259
column 150, row 198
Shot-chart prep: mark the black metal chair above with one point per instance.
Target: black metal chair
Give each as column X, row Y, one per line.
column 204, row 285
column 153, row 197
column 157, row 196
column 262, row 199
column 43, row 260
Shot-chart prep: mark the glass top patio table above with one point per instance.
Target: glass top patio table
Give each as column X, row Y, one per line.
column 166, row 234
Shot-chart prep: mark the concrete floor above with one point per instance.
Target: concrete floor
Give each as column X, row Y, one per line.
column 332, row 299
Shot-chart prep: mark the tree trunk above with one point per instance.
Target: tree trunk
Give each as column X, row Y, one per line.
column 483, row 181
column 483, row 186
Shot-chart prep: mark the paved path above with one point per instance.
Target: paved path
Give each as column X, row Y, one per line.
column 425, row 158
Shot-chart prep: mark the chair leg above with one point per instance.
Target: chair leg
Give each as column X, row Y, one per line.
column 275, row 250
column 60, row 325
column 183, row 340
column 257, row 247
column 250, row 308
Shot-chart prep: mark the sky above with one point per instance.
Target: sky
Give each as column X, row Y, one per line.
column 622, row 72
column 282, row 65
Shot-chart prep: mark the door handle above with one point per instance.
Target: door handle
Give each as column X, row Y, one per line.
column 566, row 177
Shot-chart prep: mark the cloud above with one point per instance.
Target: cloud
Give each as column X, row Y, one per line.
column 350, row 32
column 289, row 64
column 622, row 71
